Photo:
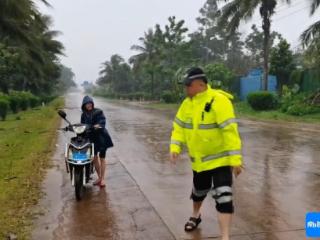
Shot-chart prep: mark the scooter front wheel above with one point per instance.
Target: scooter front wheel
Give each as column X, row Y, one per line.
column 78, row 183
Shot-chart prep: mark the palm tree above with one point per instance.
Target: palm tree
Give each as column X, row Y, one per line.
column 15, row 17
column 312, row 32
column 43, row 50
column 109, row 70
column 27, row 31
column 116, row 75
column 237, row 10
column 149, row 53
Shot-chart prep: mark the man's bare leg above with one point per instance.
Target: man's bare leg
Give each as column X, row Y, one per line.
column 196, row 209
column 195, row 214
column 225, row 222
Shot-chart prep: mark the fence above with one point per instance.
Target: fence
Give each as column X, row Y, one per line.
column 310, row 80
column 253, row 82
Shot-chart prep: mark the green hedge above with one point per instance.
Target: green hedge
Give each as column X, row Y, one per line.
column 4, row 107
column 34, row 101
column 300, row 109
column 20, row 100
column 262, row 100
column 46, row 99
column 14, row 99
column 169, row 97
column 298, row 104
column 24, row 103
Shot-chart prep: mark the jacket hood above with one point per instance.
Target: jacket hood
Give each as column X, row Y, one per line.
column 228, row 95
column 86, row 100
column 214, row 91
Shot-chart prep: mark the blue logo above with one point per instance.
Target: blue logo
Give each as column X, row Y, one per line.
column 313, row 224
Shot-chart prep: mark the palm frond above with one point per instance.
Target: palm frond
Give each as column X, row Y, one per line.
column 236, row 11
column 249, row 8
column 234, row 23
column 52, row 34
column 310, row 34
column 315, row 4
column 138, row 48
column 228, row 11
column 45, row 2
column 138, row 58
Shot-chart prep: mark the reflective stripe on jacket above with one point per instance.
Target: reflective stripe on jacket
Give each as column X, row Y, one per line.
column 211, row 136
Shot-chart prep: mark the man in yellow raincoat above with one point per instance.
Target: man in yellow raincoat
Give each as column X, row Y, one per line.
column 206, row 124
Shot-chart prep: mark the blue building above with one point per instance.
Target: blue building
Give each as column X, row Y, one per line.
column 253, row 82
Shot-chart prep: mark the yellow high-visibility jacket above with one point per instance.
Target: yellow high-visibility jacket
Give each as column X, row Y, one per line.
column 206, row 124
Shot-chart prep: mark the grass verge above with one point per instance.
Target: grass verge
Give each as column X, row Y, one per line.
column 26, row 144
column 243, row 110
column 163, row 106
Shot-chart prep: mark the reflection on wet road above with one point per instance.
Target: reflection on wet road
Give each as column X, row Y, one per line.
column 147, row 198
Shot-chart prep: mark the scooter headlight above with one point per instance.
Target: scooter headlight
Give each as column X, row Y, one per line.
column 79, row 129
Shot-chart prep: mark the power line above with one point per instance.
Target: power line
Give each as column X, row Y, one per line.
column 294, row 2
column 284, row 2
column 285, row 16
column 288, row 7
column 285, row 5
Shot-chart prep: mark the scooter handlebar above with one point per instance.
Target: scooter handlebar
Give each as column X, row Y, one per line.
column 70, row 128
column 66, row 129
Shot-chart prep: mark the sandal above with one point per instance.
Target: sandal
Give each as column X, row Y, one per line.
column 192, row 224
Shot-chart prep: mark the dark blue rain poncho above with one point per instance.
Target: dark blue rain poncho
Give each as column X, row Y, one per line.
column 100, row 137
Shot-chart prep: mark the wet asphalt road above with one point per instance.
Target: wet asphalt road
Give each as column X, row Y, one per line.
column 148, row 198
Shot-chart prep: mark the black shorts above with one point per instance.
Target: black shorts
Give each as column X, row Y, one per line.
column 218, row 182
column 100, row 152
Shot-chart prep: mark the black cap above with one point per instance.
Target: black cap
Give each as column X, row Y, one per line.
column 193, row 74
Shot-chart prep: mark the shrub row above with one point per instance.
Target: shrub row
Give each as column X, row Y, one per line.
column 169, row 97
column 20, row 100
column 293, row 104
column 262, row 100
column 299, row 105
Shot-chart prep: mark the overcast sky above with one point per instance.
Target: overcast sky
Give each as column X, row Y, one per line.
column 93, row 30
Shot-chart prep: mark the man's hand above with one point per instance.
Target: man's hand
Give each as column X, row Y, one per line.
column 237, row 170
column 174, row 157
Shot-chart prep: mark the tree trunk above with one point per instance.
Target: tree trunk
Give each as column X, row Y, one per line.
column 280, row 83
column 280, row 87
column 152, row 84
column 266, row 40
column 24, row 85
column 3, row 85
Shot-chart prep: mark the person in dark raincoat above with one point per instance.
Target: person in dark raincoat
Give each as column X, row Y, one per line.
column 100, row 136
